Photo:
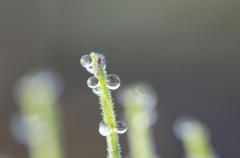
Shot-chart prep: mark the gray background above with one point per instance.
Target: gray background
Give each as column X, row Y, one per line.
column 187, row 49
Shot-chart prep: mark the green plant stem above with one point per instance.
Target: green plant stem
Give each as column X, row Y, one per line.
column 140, row 135
column 107, row 109
column 40, row 112
column 196, row 141
column 138, row 120
column 51, row 147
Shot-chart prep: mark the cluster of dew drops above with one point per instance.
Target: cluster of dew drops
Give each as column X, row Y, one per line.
column 112, row 82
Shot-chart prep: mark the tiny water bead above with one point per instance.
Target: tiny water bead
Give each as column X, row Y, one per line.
column 86, row 61
column 96, row 91
column 92, row 82
column 104, row 130
column 113, row 82
column 121, row 127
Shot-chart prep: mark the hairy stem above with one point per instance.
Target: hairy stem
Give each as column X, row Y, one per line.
column 107, row 109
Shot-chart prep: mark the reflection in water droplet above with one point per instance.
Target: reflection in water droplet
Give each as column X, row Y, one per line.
column 92, row 82
column 86, row 61
column 104, row 130
column 121, row 127
column 113, row 82
column 96, row 91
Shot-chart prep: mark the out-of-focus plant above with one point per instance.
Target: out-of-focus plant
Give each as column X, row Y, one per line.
column 101, row 84
column 38, row 94
column 195, row 138
column 139, row 102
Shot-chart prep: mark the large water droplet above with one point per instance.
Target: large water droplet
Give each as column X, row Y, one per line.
column 96, row 91
column 86, row 61
column 113, row 82
column 92, row 82
column 121, row 127
column 104, row 130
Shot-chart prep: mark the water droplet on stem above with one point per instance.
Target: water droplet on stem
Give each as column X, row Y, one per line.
column 104, row 130
column 86, row 61
column 92, row 82
column 96, row 91
column 121, row 127
column 113, row 82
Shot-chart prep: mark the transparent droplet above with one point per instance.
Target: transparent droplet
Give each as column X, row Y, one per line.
column 121, row 127
column 96, row 91
column 90, row 69
column 86, row 61
column 104, row 130
column 92, row 82
column 113, row 82
column 101, row 60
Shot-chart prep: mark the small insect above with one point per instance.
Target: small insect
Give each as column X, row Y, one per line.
column 101, row 63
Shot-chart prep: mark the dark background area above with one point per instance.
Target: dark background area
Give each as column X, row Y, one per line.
column 187, row 49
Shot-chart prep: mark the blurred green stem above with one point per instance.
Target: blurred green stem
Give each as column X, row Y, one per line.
column 195, row 139
column 138, row 117
column 41, row 114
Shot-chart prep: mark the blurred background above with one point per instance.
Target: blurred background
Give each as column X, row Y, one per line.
column 187, row 49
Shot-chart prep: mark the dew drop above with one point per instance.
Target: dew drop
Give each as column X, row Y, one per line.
column 121, row 127
column 86, row 61
column 104, row 130
column 96, row 91
column 92, row 82
column 113, row 82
